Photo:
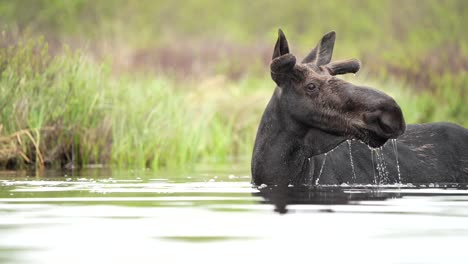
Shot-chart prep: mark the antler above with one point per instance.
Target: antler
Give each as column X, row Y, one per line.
column 343, row 67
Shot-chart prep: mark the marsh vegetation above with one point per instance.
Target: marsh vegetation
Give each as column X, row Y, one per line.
column 149, row 84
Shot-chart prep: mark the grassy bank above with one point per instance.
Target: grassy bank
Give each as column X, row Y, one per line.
column 67, row 110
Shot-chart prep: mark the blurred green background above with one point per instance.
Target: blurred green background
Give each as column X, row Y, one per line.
column 174, row 83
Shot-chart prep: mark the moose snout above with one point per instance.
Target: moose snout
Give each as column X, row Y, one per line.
column 388, row 121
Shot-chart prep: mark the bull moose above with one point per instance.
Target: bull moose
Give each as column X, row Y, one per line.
column 319, row 129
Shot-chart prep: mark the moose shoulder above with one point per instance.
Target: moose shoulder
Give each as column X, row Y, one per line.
column 312, row 113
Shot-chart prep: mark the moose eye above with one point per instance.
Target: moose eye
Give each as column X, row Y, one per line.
column 310, row 87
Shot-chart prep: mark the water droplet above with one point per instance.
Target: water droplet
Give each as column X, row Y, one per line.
column 381, row 166
column 373, row 166
column 321, row 169
column 311, row 172
column 395, row 150
column 351, row 160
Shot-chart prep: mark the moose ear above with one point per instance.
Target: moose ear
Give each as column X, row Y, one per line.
column 282, row 68
column 281, row 46
column 343, row 67
column 322, row 53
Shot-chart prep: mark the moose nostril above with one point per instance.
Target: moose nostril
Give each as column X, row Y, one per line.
column 387, row 123
column 385, row 128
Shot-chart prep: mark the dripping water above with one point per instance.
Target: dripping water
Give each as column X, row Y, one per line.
column 321, row 168
column 351, row 160
column 395, row 150
column 380, row 165
column 383, row 166
column 323, row 163
column 373, row 166
column 311, row 176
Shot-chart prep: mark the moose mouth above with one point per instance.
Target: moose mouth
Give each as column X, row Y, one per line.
column 371, row 138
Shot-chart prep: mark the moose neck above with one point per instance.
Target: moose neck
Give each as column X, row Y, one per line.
column 284, row 145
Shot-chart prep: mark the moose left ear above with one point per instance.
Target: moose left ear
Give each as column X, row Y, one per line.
column 343, row 67
column 322, row 53
column 282, row 68
column 281, row 46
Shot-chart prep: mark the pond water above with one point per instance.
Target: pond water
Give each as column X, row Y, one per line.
column 215, row 216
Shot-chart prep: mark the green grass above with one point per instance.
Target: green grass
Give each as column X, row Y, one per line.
column 76, row 108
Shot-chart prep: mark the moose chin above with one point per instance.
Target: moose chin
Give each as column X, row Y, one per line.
column 312, row 113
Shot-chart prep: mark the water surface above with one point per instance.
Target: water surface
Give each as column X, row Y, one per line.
column 216, row 216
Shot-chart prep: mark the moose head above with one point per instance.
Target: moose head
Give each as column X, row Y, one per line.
column 312, row 111
column 314, row 98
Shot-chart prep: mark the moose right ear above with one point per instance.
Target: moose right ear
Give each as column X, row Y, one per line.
column 281, row 46
column 322, row 53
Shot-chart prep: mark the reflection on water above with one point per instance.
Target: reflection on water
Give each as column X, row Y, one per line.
column 216, row 216
column 331, row 195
